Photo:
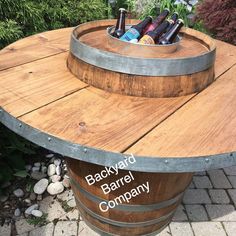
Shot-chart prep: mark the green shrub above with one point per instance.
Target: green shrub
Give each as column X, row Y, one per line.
column 12, row 150
column 219, row 17
column 26, row 17
column 142, row 8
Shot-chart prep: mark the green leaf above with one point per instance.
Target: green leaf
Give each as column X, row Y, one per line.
column 21, row 173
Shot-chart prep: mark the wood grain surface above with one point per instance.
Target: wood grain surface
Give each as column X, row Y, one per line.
column 206, row 125
column 141, row 86
column 35, row 47
column 30, row 86
column 44, row 94
column 101, row 119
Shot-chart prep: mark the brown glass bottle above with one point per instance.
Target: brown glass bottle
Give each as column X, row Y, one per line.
column 152, row 36
column 170, row 36
column 136, row 30
column 120, row 24
column 157, row 21
column 172, row 20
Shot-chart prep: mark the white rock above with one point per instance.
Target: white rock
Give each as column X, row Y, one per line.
column 37, row 164
column 17, row 212
column 55, row 188
column 51, row 170
column 28, row 167
column 58, row 170
column 27, row 201
column 50, row 155
column 57, row 162
column 37, row 213
column 6, row 206
column 29, row 210
column 40, row 197
column 71, row 203
column 44, row 169
column 55, row 178
column 35, row 168
column 66, row 182
column 38, row 175
column 32, row 196
column 3, row 198
column 18, row 192
column 41, row 186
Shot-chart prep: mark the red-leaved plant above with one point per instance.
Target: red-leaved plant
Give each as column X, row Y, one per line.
column 219, row 17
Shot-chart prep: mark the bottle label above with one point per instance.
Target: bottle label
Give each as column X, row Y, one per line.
column 146, row 39
column 130, row 34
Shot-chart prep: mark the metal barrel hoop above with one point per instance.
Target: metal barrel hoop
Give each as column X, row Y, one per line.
column 140, row 66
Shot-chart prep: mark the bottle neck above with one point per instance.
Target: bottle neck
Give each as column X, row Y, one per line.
column 161, row 18
column 120, row 25
column 174, row 17
column 172, row 21
column 139, row 27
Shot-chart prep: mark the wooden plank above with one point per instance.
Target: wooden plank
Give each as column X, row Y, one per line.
column 204, row 126
column 35, row 47
column 225, row 57
column 35, row 84
column 113, row 122
column 100, row 119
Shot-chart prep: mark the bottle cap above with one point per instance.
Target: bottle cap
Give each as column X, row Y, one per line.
column 167, row 9
column 123, row 9
column 175, row 13
column 180, row 21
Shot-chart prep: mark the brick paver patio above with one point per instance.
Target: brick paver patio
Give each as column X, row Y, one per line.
column 208, row 209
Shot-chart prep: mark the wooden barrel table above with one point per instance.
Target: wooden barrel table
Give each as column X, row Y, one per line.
column 132, row 136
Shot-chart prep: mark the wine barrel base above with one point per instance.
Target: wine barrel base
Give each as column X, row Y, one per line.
column 143, row 214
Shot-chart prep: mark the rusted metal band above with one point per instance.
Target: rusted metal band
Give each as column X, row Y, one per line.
column 107, row 158
column 123, row 224
column 128, row 207
column 140, row 66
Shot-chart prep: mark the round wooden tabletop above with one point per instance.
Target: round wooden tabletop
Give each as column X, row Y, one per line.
column 43, row 102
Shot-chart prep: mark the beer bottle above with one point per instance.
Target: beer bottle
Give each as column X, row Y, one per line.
column 170, row 36
column 172, row 20
column 157, row 21
column 152, row 36
column 136, row 30
column 120, row 25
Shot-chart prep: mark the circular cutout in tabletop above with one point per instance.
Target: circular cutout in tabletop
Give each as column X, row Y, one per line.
column 96, row 61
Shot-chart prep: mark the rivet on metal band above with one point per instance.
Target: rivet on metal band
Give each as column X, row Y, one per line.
column 107, row 158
